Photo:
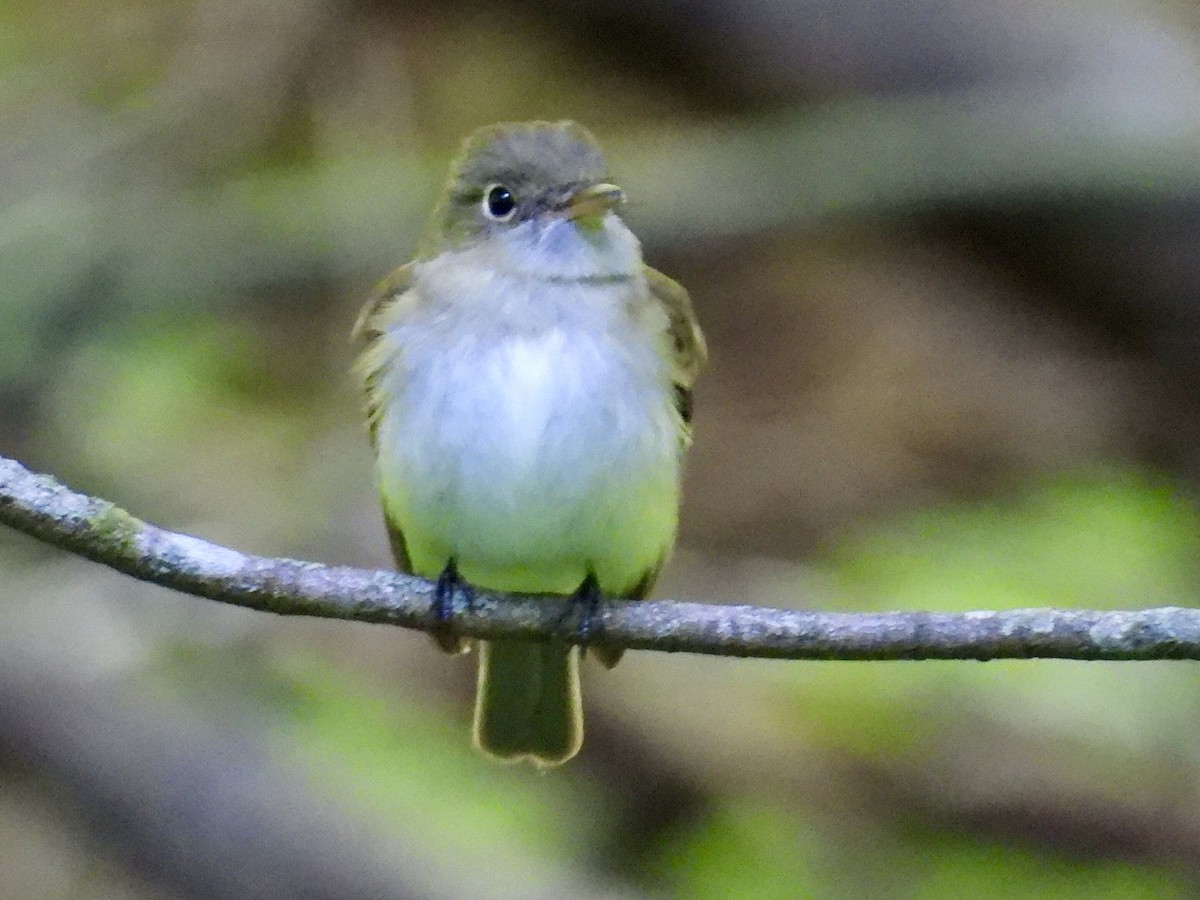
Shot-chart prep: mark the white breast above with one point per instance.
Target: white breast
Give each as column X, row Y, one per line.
column 535, row 454
column 534, row 388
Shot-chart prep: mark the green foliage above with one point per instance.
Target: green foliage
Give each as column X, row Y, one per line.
column 1103, row 540
column 407, row 765
column 746, row 849
column 985, row 871
column 404, row 767
column 186, row 416
column 181, row 257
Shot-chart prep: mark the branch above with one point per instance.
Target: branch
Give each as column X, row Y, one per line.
column 98, row 530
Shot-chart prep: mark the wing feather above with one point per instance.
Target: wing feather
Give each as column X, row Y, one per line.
column 689, row 350
column 383, row 302
column 369, row 327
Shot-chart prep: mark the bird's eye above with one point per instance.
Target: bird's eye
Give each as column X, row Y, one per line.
column 499, row 203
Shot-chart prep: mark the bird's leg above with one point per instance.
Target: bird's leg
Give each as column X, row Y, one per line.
column 584, row 607
column 443, row 609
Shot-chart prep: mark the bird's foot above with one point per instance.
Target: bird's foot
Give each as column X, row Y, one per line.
column 582, row 621
column 442, row 609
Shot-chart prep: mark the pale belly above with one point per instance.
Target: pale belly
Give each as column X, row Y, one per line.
column 534, row 462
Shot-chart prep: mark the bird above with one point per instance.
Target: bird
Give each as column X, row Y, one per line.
column 528, row 385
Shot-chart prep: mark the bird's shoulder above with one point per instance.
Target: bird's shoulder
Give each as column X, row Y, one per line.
column 388, row 297
column 689, row 352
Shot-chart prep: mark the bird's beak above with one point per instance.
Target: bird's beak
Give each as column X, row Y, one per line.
column 595, row 200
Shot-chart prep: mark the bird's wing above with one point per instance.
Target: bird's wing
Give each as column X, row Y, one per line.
column 388, row 295
column 387, row 298
column 385, row 293
column 689, row 351
column 689, row 354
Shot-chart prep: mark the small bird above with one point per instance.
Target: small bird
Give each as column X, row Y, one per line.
column 528, row 388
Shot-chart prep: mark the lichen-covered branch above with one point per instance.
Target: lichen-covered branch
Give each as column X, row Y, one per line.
column 98, row 530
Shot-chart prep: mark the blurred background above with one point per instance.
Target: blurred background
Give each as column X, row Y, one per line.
column 946, row 254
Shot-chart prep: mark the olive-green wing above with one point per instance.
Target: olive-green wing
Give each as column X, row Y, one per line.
column 690, row 353
column 368, row 327
column 391, row 299
column 388, row 300
column 387, row 291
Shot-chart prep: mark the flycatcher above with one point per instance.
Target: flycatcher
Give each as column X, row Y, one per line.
column 528, row 389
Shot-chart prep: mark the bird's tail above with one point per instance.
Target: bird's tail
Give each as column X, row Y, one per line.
column 528, row 704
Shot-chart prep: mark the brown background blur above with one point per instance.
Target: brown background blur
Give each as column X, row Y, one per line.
column 946, row 254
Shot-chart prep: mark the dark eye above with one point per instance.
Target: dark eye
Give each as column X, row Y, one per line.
column 499, row 203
